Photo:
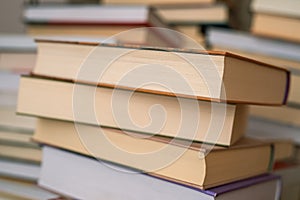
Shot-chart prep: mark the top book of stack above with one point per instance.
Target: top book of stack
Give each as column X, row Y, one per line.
column 213, row 76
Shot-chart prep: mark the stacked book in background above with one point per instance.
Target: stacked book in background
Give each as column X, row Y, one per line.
column 129, row 22
column 276, row 19
column 124, row 23
column 177, row 160
column 289, row 46
column 190, row 18
column 19, row 157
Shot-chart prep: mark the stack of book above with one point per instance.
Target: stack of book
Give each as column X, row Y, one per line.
column 19, row 157
column 188, row 17
column 130, row 22
column 277, row 19
column 128, row 122
column 123, row 23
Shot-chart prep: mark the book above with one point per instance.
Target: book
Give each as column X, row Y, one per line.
column 270, row 50
column 14, row 136
column 194, row 14
column 132, row 184
column 17, row 53
column 279, row 19
column 155, row 2
column 244, row 80
column 282, row 115
column 192, row 32
column 284, row 149
column 278, row 7
column 109, row 21
column 20, row 153
column 10, row 120
column 267, row 50
column 229, row 127
column 207, row 165
column 19, row 170
column 93, row 14
column 276, row 26
column 23, row 190
column 9, row 84
column 290, row 180
column 261, row 128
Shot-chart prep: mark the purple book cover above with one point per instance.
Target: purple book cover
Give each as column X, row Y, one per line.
column 240, row 184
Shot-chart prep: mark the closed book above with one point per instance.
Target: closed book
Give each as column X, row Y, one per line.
column 185, row 118
column 190, row 163
column 216, row 76
column 93, row 14
column 194, row 14
column 276, row 26
column 278, row 52
column 106, row 180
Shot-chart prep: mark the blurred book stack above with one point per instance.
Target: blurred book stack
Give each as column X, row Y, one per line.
column 273, row 39
column 19, row 157
column 122, row 23
column 129, row 21
column 93, row 99
column 189, row 17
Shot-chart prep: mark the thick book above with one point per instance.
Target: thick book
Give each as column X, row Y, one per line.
column 216, row 76
column 194, row 164
column 106, row 180
column 191, row 119
column 281, row 53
